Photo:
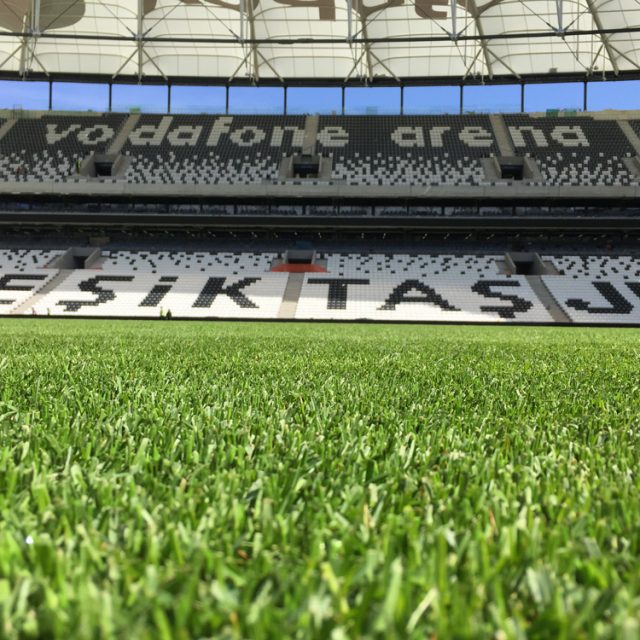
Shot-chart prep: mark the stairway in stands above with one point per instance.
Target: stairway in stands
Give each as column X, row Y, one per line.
column 54, row 283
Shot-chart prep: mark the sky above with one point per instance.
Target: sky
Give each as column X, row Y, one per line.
column 301, row 100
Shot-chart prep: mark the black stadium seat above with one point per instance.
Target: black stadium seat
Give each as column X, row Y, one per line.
column 47, row 148
column 395, row 150
column 363, row 150
column 242, row 150
column 577, row 151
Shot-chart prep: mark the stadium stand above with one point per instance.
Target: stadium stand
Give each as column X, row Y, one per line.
column 599, row 289
column 389, row 151
column 590, row 300
column 441, row 299
column 210, row 150
column 47, row 148
column 393, row 150
column 596, row 267
column 144, row 295
column 17, row 288
column 350, row 265
column 392, row 287
column 578, row 151
column 25, row 260
column 635, row 125
column 22, row 273
column 187, row 262
column 466, row 288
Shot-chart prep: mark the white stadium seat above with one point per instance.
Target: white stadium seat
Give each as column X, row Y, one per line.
column 356, row 286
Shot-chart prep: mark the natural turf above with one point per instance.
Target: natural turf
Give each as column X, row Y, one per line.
column 177, row 480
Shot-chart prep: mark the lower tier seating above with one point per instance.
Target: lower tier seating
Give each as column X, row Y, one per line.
column 377, row 287
column 435, row 299
column 610, row 300
column 19, row 286
column 115, row 293
column 23, row 260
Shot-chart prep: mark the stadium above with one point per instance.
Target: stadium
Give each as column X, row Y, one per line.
column 319, row 319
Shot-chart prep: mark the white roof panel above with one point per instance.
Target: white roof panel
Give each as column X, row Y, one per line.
column 323, row 39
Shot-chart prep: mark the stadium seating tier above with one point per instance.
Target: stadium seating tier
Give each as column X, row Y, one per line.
column 577, row 151
column 355, row 286
column 211, row 150
column 48, row 148
column 410, row 150
column 363, row 150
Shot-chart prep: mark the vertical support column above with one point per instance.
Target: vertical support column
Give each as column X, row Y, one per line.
column 342, row 99
column 585, row 101
column 522, row 86
column 139, row 35
column 401, row 100
column 285, row 99
column 50, row 95
column 226, row 101
column 35, row 17
column 168, row 97
column 461, row 99
column 454, row 26
column 560, row 13
column 110, row 96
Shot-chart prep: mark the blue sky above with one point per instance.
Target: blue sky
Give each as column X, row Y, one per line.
column 358, row 100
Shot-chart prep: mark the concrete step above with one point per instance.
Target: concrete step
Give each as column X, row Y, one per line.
column 632, row 137
column 6, row 127
column 29, row 303
column 120, row 140
column 503, row 139
column 311, row 125
column 291, row 296
column 544, row 295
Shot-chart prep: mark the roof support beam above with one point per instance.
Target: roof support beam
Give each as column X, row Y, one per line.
column 153, row 62
column 11, row 55
column 367, row 48
column 35, row 17
column 560, row 14
column 470, row 67
column 31, row 39
column 603, row 37
column 124, row 31
column 35, row 57
column 124, row 64
column 454, row 16
column 475, row 14
column 307, row 41
column 595, row 57
column 501, row 61
column 350, row 37
column 275, row 73
column 247, row 23
column 624, row 56
column 385, row 67
column 26, row 22
column 356, row 62
column 139, row 36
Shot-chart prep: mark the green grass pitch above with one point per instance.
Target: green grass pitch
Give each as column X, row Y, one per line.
column 222, row 480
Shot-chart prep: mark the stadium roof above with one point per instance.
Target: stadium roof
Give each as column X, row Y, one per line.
column 333, row 40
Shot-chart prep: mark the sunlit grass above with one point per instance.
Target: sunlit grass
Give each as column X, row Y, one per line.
column 178, row 480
